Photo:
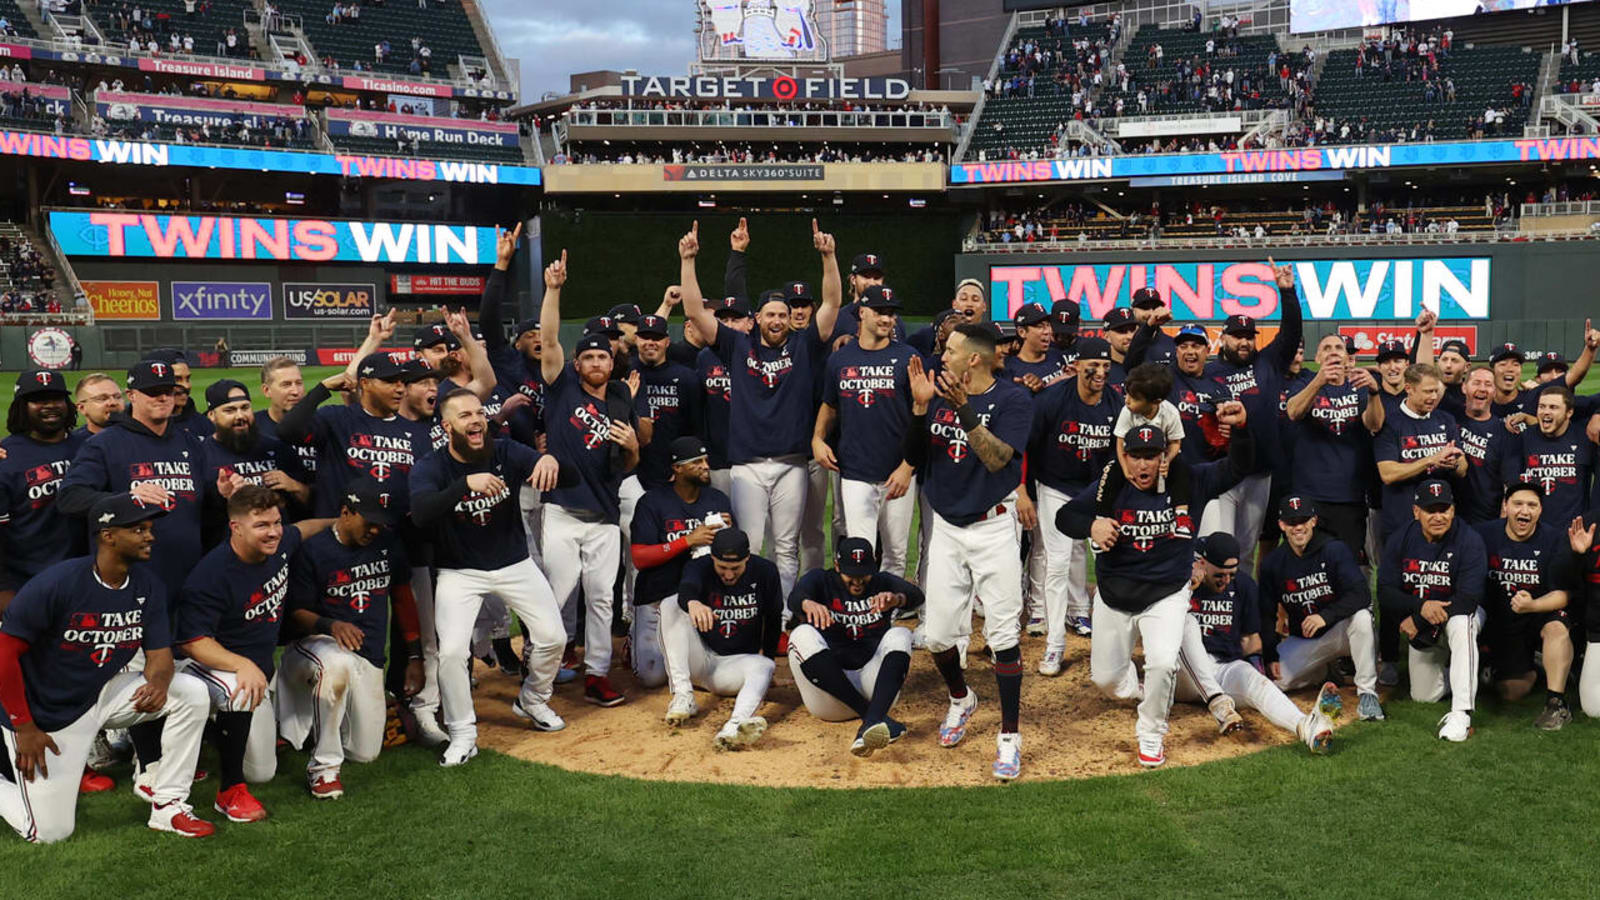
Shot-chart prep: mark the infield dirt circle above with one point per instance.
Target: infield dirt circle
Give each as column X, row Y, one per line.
column 1069, row 730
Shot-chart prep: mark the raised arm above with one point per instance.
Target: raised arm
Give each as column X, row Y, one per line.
column 733, row 275
column 494, row 291
column 694, row 304
column 550, row 358
column 1580, row 366
column 832, row 292
column 1291, row 324
column 483, row 378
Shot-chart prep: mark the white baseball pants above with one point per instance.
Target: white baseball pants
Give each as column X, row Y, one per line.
column 628, row 499
column 983, row 559
column 261, row 747
column 805, row 641
column 1066, row 577
column 722, row 480
column 1588, row 681
column 1303, row 662
column 772, row 492
column 924, row 534
column 1160, row 628
column 1450, row 665
column 458, row 593
column 644, row 639
column 575, row 549
column 1248, row 688
column 813, row 542
column 45, row 809
column 1240, row 511
column 868, row 513
column 426, row 702
column 744, row 676
column 334, row 697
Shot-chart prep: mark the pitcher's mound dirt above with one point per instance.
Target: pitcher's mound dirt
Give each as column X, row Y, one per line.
column 1069, row 730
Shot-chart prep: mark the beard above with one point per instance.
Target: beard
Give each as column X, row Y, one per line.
column 449, row 367
column 237, row 441
column 464, row 449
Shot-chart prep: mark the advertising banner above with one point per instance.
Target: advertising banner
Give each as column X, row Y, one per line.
column 1367, row 338
column 341, row 356
column 466, row 132
column 165, row 109
column 258, row 357
column 303, row 300
column 242, row 300
column 1331, row 289
column 754, row 172
column 55, row 98
column 436, row 284
column 124, row 300
column 781, row 87
column 117, row 234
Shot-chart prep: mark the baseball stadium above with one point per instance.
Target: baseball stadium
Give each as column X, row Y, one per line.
column 822, row 448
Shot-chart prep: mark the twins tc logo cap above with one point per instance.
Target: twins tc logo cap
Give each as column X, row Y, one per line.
column 1296, row 508
column 854, row 557
column 1144, row 438
column 151, row 374
column 798, row 293
column 1146, row 298
column 379, row 365
column 1551, row 360
column 626, row 313
column 431, row 335
column 364, row 497
column 1508, row 350
column 651, row 326
column 1064, row 316
column 1239, row 326
column 1119, row 317
column 33, row 382
column 1434, row 494
column 879, row 297
column 120, row 511
column 866, row 262
column 1393, row 349
column 1029, row 314
column 730, row 308
column 605, row 325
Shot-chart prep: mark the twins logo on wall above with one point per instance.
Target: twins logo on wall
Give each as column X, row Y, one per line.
column 760, row 29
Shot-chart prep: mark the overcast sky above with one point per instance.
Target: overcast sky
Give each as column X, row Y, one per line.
column 555, row 39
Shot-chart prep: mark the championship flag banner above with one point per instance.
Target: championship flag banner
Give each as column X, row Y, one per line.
column 142, row 153
column 55, row 98
column 1330, row 289
column 781, row 87
column 118, row 234
column 437, row 284
column 240, row 300
column 467, row 132
column 1367, row 338
column 303, row 300
column 124, row 300
column 165, row 109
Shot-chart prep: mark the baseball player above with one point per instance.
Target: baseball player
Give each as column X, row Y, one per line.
column 672, row 524
column 773, row 378
column 37, row 454
column 1144, row 563
column 1118, row 329
column 1149, row 309
column 235, row 453
column 98, row 398
column 717, row 408
column 330, row 688
column 283, row 386
column 1314, row 578
column 228, row 617
column 820, row 483
column 852, row 657
column 184, row 414
column 1224, row 628
column 1556, row 455
column 465, row 497
column 866, row 270
column 867, row 394
column 970, row 429
column 66, row 641
column 1527, row 597
column 722, row 636
column 968, row 303
column 1432, row 580
column 1035, row 365
column 1070, row 444
column 1338, row 411
column 1484, row 442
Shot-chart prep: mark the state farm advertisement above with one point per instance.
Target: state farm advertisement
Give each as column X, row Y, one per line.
column 1368, row 337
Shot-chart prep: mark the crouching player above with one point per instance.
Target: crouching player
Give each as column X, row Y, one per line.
column 852, row 658
column 67, row 635
column 722, row 635
column 1225, row 620
column 331, row 686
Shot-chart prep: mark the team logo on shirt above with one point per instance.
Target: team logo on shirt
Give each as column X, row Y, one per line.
column 733, row 610
column 43, row 481
column 591, row 424
column 1309, row 591
column 173, row 476
column 380, row 455
column 1551, row 469
column 359, row 587
column 1336, row 411
column 718, row 384
column 1083, row 439
column 867, row 385
column 1213, row 612
column 99, row 634
column 1429, row 579
column 1144, row 527
column 479, row 508
column 1516, row 574
column 770, row 372
column 948, row 434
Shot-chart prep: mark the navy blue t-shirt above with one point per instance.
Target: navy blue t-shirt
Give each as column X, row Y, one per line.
column 1196, row 398
column 1539, row 565
column 671, row 398
column 578, row 430
column 856, row 630
column 1071, row 439
column 872, row 392
column 1332, row 448
column 1561, row 466
column 717, row 406
column 350, row 584
column 662, row 517
column 773, row 390
column 959, row 486
column 36, row 535
column 1484, row 442
column 1225, row 617
column 238, row 604
column 1406, row 438
column 749, row 612
column 514, row 372
column 1326, row 582
column 301, row 465
column 1015, row 367
column 1452, row 571
column 354, row 443
column 470, row 530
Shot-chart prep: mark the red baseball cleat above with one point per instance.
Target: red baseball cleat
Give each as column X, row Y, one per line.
column 93, row 782
column 326, row 786
column 238, row 805
column 179, row 818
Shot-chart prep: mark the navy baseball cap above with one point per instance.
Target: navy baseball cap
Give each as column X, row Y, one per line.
column 1219, row 548
column 1092, row 348
column 1434, row 493
column 594, row 340
column 687, row 449
column 854, row 557
column 1120, row 317
column 1029, row 314
column 798, row 293
column 1296, row 508
column 364, row 497
column 877, row 297
column 1144, row 439
column 379, row 365
column 168, row 355
column 730, row 545
column 1239, row 326
column 1551, row 360
column 33, row 382
column 730, row 308
column 151, row 374
column 224, row 392
column 1004, row 331
column 603, row 325
column 626, row 313
column 525, row 326
column 415, row 370
column 1064, row 316
column 940, row 317
column 866, row 262
column 120, row 511
column 1508, row 350
column 1516, row 487
column 1455, row 345
column 1192, row 333
column 651, row 326
column 1393, row 349
column 430, row 335
column 1146, row 298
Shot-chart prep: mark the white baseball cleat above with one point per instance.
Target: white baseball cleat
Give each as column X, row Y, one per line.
column 1329, row 703
column 1226, row 713
column 956, row 718
column 1050, row 665
column 740, row 733
column 919, row 637
column 1152, row 753
column 871, row 738
column 1455, row 726
column 680, row 710
column 458, row 753
column 101, row 756
column 144, row 780
column 429, row 734
column 1008, row 757
column 1036, row 625
column 1315, row 730
column 539, row 715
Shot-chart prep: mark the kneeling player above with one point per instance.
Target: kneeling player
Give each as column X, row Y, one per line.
column 852, row 657
column 1316, row 581
column 1526, row 601
column 331, row 687
column 1225, row 620
column 67, row 635
column 1432, row 576
column 722, row 635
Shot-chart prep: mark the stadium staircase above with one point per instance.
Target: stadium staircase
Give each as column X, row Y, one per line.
column 1179, row 46
column 1483, row 77
column 444, row 26
column 1028, row 122
column 207, row 28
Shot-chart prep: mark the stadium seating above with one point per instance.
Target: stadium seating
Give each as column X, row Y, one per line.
column 443, row 27
column 1377, row 109
column 1586, row 71
column 19, row 22
column 378, row 146
column 208, row 28
column 1276, row 224
column 1178, row 47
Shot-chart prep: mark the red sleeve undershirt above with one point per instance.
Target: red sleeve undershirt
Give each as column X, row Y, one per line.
column 648, row 556
column 12, row 692
column 405, row 612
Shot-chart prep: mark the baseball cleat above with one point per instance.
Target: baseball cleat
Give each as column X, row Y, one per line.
column 1050, row 665
column 1315, row 730
column 1036, row 626
column 239, row 805
column 1008, row 757
column 896, row 729
column 539, row 715
column 960, row 713
column 919, row 638
column 1369, row 708
column 1556, row 715
column 870, row 739
column 1455, row 726
column 101, row 755
column 597, row 689
column 1388, row 675
column 325, row 786
column 92, row 782
column 1151, row 752
column 458, row 754
column 680, row 710
column 1080, row 626
column 429, row 734
column 737, row 734
column 1227, row 715
column 179, row 818
column 144, row 779
column 1329, row 703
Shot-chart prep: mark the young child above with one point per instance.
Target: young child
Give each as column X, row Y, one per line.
column 1146, row 390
